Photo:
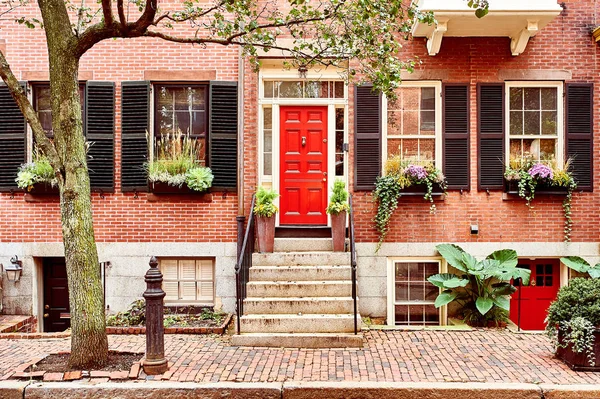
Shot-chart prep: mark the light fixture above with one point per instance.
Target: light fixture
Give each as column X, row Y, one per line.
column 302, row 70
column 13, row 271
column 474, row 229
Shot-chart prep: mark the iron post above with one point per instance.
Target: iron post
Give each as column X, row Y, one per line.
column 155, row 362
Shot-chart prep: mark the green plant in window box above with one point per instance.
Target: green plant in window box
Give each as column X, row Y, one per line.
column 400, row 174
column 38, row 171
column 483, row 289
column 176, row 163
column 530, row 174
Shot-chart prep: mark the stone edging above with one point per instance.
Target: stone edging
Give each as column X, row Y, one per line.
column 126, row 330
column 294, row 390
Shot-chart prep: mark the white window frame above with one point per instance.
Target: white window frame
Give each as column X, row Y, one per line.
column 391, row 290
column 437, row 85
column 185, row 302
column 560, row 133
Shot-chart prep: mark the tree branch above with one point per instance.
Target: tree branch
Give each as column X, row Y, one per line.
column 16, row 90
column 147, row 17
column 107, row 11
column 121, row 12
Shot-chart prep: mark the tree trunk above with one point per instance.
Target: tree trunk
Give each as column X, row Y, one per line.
column 89, row 344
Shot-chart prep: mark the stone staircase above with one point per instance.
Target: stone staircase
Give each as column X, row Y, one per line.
column 300, row 296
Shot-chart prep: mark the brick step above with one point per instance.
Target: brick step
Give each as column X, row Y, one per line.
column 304, row 289
column 306, row 323
column 315, row 258
column 299, row 340
column 317, row 305
column 300, row 273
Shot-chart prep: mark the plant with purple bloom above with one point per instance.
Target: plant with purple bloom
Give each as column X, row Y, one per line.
column 416, row 171
column 541, row 171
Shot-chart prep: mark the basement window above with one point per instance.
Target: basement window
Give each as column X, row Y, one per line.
column 188, row 281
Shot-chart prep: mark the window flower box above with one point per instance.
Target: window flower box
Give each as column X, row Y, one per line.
column 420, row 190
column 512, row 187
column 579, row 361
column 166, row 188
column 42, row 188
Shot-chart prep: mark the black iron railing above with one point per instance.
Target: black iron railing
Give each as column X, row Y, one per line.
column 353, row 264
column 243, row 265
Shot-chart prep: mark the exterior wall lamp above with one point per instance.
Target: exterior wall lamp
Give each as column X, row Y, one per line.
column 13, row 271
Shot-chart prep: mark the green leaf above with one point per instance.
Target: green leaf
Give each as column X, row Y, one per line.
column 594, row 272
column 470, row 261
column 447, row 280
column 453, row 255
column 502, row 302
column 445, row 298
column 505, row 257
column 484, row 304
column 481, row 12
column 576, row 263
column 503, row 289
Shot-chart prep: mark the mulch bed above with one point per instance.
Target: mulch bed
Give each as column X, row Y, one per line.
column 59, row 363
column 194, row 326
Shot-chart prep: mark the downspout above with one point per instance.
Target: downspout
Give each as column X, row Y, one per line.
column 240, row 153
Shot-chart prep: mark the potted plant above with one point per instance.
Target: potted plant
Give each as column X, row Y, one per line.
column 402, row 177
column 573, row 324
column 265, row 211
column 525, row 177
column 338, row 208
column 176, row 168
column 483, row 289
column 37, row 177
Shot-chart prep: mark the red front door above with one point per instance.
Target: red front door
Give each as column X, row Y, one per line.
column 535, row 298
column 303, row 160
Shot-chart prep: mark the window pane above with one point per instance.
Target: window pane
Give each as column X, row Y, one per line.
column 268, row 89
column 417, row 292
column 394, row 123
column 539, row 269
column 549, row 269
column 316, row 89
column 432, row 315
column 547, row 149
column 431, row 291
column 549, row 122
column 401, row 271
column 268, row 141
column 428, row 122
column 532, row 98
column 516, row 148
column 549, row 99
column 415, row 271
column 339, row 119
column 516, row 98
column 548, row 282
column 401, row 313
column 516, row 122
column 339, row 89
column 402, row 291
column 416, row 314
column 339, row 164
column 532, row 122
column 428, row 98
column 290, row 89
column 268, row 118
column 410, row 122
column 182, row 110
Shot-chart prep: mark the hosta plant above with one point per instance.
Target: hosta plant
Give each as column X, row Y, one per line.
column 401, row 174
column 529, row 174
column 484, row 286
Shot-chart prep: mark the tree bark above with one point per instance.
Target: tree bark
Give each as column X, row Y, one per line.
column 89, row 344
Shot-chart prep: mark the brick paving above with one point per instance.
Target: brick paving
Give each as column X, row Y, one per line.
column 392, row 356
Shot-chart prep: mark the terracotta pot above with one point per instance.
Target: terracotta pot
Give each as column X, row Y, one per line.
column 265, row 229
column 338, row 231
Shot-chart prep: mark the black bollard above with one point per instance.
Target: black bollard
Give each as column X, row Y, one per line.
column 155, row 362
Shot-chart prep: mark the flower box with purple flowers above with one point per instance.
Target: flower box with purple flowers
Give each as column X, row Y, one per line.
column 544, row 177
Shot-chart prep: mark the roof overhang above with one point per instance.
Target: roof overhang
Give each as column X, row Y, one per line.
column 517, row 19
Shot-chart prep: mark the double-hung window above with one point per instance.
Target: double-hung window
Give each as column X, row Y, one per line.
column 535, row 122
column 42, row 104
column 412, row 123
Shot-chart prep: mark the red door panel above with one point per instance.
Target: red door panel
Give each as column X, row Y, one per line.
column 536, row 298
column 303, row 177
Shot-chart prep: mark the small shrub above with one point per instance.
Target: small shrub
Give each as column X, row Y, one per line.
column 134, row 316
column 339, row 198
column 38, row 171
column 264, row 205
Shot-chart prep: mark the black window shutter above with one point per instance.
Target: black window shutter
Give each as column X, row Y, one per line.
column 13, row 140
column 580, row 116
column 367, row 137
column 135, row 122
column 223, row 125
column 456, row 135
column 100, row 134
column 490, row 106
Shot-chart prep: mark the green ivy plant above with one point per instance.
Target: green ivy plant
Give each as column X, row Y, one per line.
column 401, row 174
column 264, row 206
column 483, row 289
column 529, row 173
column 339, row 199
column 574, row 316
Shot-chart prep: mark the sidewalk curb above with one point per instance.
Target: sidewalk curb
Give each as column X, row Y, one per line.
column 293, row 390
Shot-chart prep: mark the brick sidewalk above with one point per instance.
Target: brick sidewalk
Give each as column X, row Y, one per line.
column 391, row 356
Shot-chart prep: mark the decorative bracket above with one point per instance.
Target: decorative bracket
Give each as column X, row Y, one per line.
column 434, row 41
column 519, row 41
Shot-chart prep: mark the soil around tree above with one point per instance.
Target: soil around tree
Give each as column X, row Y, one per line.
column 59, row 363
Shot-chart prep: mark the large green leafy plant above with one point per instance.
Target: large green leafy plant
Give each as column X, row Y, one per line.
column 582, row 266
column 483, row 289
column 575, row 315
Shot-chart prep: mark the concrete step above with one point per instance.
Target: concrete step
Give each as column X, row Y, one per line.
column 306, row 323
column 300, row 273
column 303, row 244
column 316, row 258
column 304, row 289
column 299, row 340
column 318, row 305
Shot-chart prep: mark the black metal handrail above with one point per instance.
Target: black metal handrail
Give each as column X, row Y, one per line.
column 243, row 265
column 353, row 264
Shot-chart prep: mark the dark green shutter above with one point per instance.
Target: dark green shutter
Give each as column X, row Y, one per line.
column 13, row 140
column 135, row 122
column 579, row 132
column 367, row 137
column 100, row 134
column 456, row 135
column 490, row 100
column 223, row 126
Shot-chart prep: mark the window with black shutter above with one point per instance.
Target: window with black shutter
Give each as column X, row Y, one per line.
column 579, row 133
column 456, row 135
column 367, row 137
column 222, row 127
column 490, row 100
column 100, row 133
column 12, row 140
column 135, row 123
